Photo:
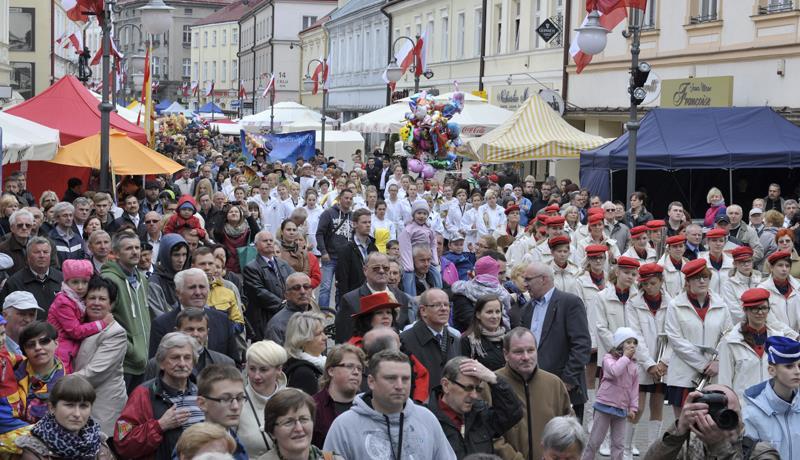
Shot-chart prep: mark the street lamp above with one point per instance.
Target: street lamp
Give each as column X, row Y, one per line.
column 308, row 85
column 136, row 58
column 592, row 40
column 394, row 72
column 157, row 18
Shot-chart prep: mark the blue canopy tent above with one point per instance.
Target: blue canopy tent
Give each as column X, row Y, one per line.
column 708, row 138
column 163, row 105
column 210, row 107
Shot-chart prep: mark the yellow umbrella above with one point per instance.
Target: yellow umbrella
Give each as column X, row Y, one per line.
column 126, row 156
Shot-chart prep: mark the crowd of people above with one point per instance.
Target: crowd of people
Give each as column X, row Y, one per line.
column 312, row 310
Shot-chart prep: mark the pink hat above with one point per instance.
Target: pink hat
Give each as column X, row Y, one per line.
column 73, row 268
column 487, row 266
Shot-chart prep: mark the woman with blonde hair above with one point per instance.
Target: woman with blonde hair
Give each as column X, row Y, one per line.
column 264, row 377
column 203, row 187
column 8, row 204
column 305, row 343
column 716, row 207
column 202, row 438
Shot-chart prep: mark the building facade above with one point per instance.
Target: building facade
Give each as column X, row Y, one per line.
column 313, row 45
column 215, row 44
column 5, row 67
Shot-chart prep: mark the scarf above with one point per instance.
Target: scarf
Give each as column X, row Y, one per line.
column 598, row 279
column 313, row 453
column 783, row 287
column 82, row 445
column 716, row 261
column 317, row 361
column 756, row 338
column 296, row 258
column 700, row 309
column 235, row 231
column 477, row 344
column 653, row 303
column 73, row 296
column 623, row 295
column 676, row 263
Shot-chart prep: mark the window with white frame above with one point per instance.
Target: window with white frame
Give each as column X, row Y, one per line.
column 224, row 38
column 234, row 70
column 648, row 20
column 775, row 6
column 165, row 67
column 445, row 46
column 418, row 25
column 223, row 75
column 155, row 67
column 359, row 52
column 205, row 39
column 515, row 10
column 205, row 71
column 498, row 31
column 187, row 34
column 195, row 70
column 186, row 68
column 476, row 39
column 705, row 10
column 213, row 70
column 234, row 36
column 308, row 21
column 213, row 38
column 460, row 31
column 196, row 39
column 368, row 64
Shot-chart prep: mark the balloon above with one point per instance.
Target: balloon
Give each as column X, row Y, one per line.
column 428, row 171
column 451, row 156
column 415, row 165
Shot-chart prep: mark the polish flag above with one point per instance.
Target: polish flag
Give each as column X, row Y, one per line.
column 99, row 55
column 242, row 90
column 210, row 92
column 612, row 12
column 195, row 88
column 73, row 39
column 409, row 54
column 270, row 86
column 320, row 69
column 76, row 9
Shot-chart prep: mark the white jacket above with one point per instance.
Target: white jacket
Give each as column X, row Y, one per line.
column 610, row 316
column 590, row 294
column 784, row 314
column 685, row 331
column 732, row 292
column 566, row 279
column 718, row 277
column 674, row 279
column 579, row 256
column 649, row 327
column 452, row 223
column 649, row 258
column 469, row 226
column 542, row 252
column 490, row 219
column 520, row 250
column 740, row 367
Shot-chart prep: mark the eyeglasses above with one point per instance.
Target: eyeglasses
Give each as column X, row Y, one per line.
column 297, row 287
column 290, row 423
column 22, row 225
column 528, row 280
column 761, row 309
column 43, row 342
column 437, row 306
column 469, row 388
column 155, row 221
column 351, row 367
column 227, row 400
column 380, row 268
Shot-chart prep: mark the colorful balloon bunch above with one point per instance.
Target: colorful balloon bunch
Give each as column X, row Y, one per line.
column 429, row 135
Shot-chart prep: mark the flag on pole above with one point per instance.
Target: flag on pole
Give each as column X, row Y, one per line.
column 99, row 55
column 210, row 91
column 408, row 54
column 326, row 86
column 145, row 83
column 72, row 39
column 195, row 88
column 76, row 10
column 612, row 12
column 270, row 86
column 149, row 107
column 421, row 54
column 242, row 90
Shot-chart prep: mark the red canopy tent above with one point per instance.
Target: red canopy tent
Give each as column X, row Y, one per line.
column 70, row 108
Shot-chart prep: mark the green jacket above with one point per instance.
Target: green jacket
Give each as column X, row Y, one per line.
column 132, row 313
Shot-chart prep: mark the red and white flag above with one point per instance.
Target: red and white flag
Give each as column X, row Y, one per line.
column 612, row 12
column 72, row 39
column 270, row 86
column 210, row 91
column 195, row 88
column 76, row 9
column 99, row 55
column 321, row 69
column 410, row 54
column 242, row 90
column 156, row 84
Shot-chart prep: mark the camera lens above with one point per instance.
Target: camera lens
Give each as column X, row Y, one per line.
column 726, row 419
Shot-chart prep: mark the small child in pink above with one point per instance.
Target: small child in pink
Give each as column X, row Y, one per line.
column 68, row 310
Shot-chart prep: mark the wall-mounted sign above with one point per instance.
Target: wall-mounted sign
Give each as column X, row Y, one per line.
column 511, row 97
column 547, row 30
column 697, row 92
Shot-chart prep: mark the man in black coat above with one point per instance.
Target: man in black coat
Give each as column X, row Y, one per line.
column 559, row 324
column 264, row 284
column 40, row 278
column 191, row 286
column 429, row 339
column 132, row 216
column 376, row 275
column 351, row 256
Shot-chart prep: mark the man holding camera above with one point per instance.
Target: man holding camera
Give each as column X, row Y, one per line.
column 710, row 421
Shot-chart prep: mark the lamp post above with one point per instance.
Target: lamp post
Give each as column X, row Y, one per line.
column 394, row 72
column 157, row 19
column 592, row 40
column 308, row 85
column 139, row 57
column 267, row 76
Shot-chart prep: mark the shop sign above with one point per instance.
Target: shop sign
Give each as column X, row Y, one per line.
column 697, row 92
column 511, row 97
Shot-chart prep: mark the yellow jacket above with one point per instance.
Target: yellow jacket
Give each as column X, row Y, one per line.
column 223, row 299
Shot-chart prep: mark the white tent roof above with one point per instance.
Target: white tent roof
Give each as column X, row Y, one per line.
column 176, row 108
column 24, row 140
column 124, row 112
column 285, row 113
column 477, row 118
column 228, row 129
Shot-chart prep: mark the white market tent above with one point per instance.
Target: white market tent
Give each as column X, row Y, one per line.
column 24, row 140
column 285, row 113
column 176, row 108
column 340, row 144
column 477, row 118
column 228, row 129
column 124, row 112
column 304, row 123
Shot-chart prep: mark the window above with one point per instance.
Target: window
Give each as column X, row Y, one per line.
column 187, row 34
column 196, row 39
column 445, row 53
column 460, row 35
column 234, row 69
column 368, row 48
column 165, row 67
column 165, row 38
column 234, row 36
column 224, row 38
column 498, row 17
column 706, row 11
column 649, row 19
column 213, row 70
column 205, row 71
column 478, row 32
column 195, row 71
column 223, row 75
column 214, row 38
column 307, row 21
column 187, row 11
column 516, row 11
column 186, row 67
column 205, row 39
column 775, row 6
column 154, row 67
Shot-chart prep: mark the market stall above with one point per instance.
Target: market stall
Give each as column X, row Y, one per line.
column 284, row 113
column 25, row 140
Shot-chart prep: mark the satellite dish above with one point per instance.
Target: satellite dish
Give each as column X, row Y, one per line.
column 553, row 99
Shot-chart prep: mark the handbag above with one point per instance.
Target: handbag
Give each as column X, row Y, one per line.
column 246, row 255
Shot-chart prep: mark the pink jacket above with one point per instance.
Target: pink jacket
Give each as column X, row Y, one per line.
column 66, row 316
column 414, row 234
column 620, row 384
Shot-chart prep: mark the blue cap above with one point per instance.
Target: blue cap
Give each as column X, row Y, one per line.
column 782, row 350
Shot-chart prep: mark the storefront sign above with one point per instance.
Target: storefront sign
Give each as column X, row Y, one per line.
column 511, row 97
column 697, row 92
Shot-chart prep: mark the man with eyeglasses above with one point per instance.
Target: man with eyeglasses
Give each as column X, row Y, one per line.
column 559, row 324
column 221, row 397
column 152, row 233
column 340, row 382
column 297, row 300
column 459, row 403
column 21, row 223
column 616, row 229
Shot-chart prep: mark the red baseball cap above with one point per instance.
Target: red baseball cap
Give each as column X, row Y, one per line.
column 552, row 208
column 717, row 233
column 627, row 262
column 677, row 239
column 754, row 297
column 558, row 241
column 650, row 270
column 595, row 219
column 778, row 255
column 742, row 253
column 594, row 250
column 555, row 221
column 511, row 209
column 693, row 267
column 638, row 230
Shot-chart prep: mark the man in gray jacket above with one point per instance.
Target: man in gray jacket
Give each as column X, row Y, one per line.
column 298, row 300
column 384, row 423
column 744, row 233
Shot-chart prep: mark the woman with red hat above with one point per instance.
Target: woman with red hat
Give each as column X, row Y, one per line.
column 564, row 270
column 741, row 278
column 613, row 302
column 596, row 236
column 671, row 262
column 555, row 227
column 656, row 232
column 742, row 357
column 639, row 246
column 512, row 227
column 784, row 299
column 648, row 309
column 696, row 321
column 784, row 240
column 376, row 310
column 719, row 263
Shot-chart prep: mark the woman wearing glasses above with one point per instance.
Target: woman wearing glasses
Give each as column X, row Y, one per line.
column 289, row 421
column 696, row 321
column 40, row 372
column 341, row 381
column 742, row 357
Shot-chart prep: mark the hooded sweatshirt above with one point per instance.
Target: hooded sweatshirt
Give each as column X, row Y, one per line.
column 364, row 433
column 163, row 275
column 132, row 313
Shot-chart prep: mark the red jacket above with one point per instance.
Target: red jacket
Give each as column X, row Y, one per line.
column 420, row 387
column 313, row 270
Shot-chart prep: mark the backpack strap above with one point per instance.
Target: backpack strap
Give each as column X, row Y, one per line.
column 748, row 445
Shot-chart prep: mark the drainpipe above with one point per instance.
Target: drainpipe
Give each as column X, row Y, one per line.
column 482, row 64
column 272, row 52
column 566, row 43
column 389, row 48
column 255, row 87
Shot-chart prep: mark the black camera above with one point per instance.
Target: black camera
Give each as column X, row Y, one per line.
column 726, row 419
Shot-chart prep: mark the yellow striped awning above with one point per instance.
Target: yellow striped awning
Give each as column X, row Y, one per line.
column 534, row 132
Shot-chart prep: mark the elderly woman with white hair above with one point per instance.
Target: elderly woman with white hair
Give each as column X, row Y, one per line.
column 563, row 438
column 264, row 377
column 305, row 343
column 69, row 244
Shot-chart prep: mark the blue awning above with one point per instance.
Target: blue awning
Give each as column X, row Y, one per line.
column 209, row 107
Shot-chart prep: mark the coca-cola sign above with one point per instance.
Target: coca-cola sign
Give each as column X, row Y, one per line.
column 473, row 131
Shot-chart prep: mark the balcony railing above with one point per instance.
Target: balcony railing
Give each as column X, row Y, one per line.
column 777, row 7
column 703, row 18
